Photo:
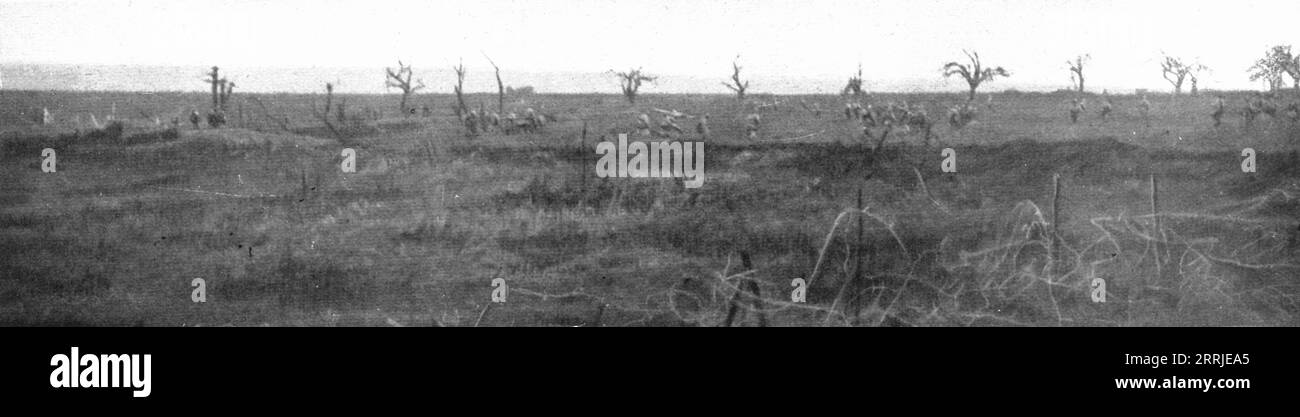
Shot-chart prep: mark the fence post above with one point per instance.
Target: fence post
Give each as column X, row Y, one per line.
column 1055, row 256
column 1155, row 215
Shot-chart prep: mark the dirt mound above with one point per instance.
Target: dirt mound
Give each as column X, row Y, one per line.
column 240, row 138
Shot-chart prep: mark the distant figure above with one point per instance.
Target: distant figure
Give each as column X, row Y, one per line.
column 852, row 111
column 216, row 119
column 670, row 125
column 535, row 121
column 815, row 108
column 493, row 120
column 918, row 118
column 893, row 112
column 870, row 117
column 1293, row 112
column 45, row 116
column 424, row 109
column 511, row 123
column 1077, row 107
column 643, row 124
column 1219, row 109
column 752, row 124
column 1144, row 107
column 1249, row 113
column 960, row 115
column 1266, row 105
column 954, row 117
column 471, row 122
column 702, row 127
column 988, row 102
column 1107, row 105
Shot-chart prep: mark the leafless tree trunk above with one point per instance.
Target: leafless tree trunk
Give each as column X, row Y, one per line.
column 973, row 73
column 1076, row 70
column 736, row 84
column 401, row 79
column 459, row 88
column 214, row 78
column 501, row 87
column 1175, row 71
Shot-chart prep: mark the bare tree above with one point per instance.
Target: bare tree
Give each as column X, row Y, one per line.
column 631, row 81
column 325, row 115
column 1277, row 62
column 329, row 97
column 1176, row 71
column 222, row 89
column 459, row 88
column 501, row 87
column 736, row 84
column 854, row 86
column 974, row 73
column 1076, row 70
column 401, row 79
column 214, row 78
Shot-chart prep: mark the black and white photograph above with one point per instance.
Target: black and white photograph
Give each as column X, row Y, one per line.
column 667, row 163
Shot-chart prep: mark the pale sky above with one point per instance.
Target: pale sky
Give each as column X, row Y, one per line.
column 901, row 44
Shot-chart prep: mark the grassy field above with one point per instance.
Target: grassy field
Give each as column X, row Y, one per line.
column 262, row 212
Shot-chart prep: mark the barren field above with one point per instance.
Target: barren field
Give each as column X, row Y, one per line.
column 262, row 212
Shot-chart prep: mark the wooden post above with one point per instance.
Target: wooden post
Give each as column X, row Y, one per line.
column 582, row 165
column 752, row 286
column 1055, row 256
column 756, row 294
column 1155, row 213
column 854, row 303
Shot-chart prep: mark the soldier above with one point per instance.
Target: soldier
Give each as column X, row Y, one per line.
column 670, row 125
column 752, row 124
column 471, row 122
column 870, row 116
column 918, row 118
column 853, row 111
column 954, row 117
column 1293, row 111
column 1219, row 109
column 1144, row 107
column 194, row 118
column 493, row 120
column 534, row 121
column 815, row 108
column 702, row 127
column 510, row 123
column 960, row 115
column 643, row 124
column 1249, row 112
column 1077, row 107
column 1266, row 105
column 1107, row 104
